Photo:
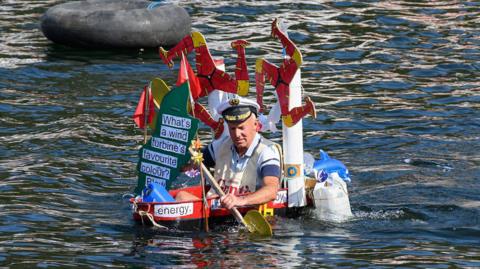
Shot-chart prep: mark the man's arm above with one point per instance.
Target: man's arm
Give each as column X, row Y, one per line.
column 266, row 193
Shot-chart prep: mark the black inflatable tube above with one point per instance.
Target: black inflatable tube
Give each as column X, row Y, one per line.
column 115, row 24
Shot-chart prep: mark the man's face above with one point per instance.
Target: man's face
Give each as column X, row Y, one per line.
column 242, row 134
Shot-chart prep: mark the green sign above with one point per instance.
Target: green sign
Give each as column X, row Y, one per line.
column 167, row 150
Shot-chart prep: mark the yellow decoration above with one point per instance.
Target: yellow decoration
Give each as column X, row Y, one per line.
column 198, row 40
column 234, row 102
column 297, row 57
column 265, row 210
column 197, row 158
column 287, row 120
column 238, row 117
column 259, row 65
column 242, row 87
column 159, row 90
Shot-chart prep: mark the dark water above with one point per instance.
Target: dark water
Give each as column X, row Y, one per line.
column 397, row 90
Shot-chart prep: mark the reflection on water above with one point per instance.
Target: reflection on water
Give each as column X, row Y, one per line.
column 200, row 250
column 397, row 91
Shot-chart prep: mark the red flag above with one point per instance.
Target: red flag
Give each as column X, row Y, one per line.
column 186, row 73
column 139, row 115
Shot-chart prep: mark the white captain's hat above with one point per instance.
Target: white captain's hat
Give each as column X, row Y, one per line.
column 237, row 109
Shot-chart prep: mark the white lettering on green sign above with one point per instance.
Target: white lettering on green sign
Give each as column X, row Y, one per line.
column 155, row 170
column 174, row 133
column 159, row 181
column 178, row 122
column 160, row 158
column 170, row 146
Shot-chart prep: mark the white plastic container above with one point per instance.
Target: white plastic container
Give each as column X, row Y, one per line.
column 331, row 199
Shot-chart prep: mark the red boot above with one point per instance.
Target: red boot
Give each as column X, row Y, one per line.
column 185, row 46
column 310, row 106
column 289, row 46
column 297, row 113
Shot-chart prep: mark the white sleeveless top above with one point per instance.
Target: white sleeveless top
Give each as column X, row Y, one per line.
column 239, row 179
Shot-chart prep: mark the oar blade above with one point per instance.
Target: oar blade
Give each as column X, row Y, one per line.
column 256, row 223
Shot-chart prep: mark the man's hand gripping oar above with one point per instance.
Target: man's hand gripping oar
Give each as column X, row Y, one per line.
column 253, row 221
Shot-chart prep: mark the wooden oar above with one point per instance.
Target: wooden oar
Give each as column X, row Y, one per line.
column 253, row 221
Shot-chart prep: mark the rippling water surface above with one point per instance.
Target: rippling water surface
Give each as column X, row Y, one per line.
column 397, row 90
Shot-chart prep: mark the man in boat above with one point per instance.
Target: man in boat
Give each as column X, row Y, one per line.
column 244, row 162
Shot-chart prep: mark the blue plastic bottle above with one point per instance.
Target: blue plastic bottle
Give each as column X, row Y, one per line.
column 156, row 193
